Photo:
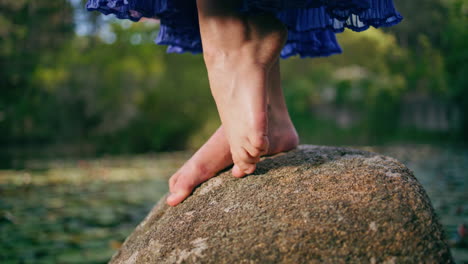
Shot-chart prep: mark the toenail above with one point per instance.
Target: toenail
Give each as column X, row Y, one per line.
column 171, row 196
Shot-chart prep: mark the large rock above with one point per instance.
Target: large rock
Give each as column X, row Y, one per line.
column 310, row 205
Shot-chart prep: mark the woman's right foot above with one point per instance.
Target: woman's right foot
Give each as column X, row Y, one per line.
column 215, row 155
column 239, row 51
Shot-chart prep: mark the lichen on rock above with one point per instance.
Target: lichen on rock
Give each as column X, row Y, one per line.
column 310, row 205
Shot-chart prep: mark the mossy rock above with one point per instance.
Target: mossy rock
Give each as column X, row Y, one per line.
column 310, row 205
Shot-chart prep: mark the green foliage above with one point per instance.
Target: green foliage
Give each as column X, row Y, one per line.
column 454, row 41
column 127, row 98
column 25, row 38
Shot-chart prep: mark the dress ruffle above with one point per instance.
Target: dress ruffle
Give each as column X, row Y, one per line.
column 311, row 24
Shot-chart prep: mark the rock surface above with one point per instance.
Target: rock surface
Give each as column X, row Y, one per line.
column 310, row 205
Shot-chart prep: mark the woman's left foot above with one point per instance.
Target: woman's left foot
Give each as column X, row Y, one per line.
column 211, row 158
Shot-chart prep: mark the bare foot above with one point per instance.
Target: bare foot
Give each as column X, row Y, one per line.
column 215, row 154
column 239, row 51
column 211, row 158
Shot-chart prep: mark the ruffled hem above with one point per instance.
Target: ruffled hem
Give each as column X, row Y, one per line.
column 311, row 24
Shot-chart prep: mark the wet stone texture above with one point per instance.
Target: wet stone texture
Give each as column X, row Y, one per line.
column 311, row 205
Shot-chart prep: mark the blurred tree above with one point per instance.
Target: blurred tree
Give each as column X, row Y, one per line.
column 454, row 50
column 428, row 18
column 30, row 34
column 110, row 87
column 127, row 95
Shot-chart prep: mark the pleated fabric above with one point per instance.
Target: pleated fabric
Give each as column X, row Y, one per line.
column 312, row 24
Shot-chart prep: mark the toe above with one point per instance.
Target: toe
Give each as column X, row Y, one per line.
column 242, row 169
column 244, row 163
column 180, row 191
column 253, row 151
column 173, row 181
column 237, row 172
column 177, row 197
column 250, row 168
column 245, row 157
column 258, row 146
column 182, row 188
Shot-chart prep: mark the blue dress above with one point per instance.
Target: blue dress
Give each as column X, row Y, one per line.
column 311, row 24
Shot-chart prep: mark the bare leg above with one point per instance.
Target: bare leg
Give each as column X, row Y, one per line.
column 239, row 51
column 215, row 154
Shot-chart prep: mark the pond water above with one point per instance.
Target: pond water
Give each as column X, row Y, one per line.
column 80, row 211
